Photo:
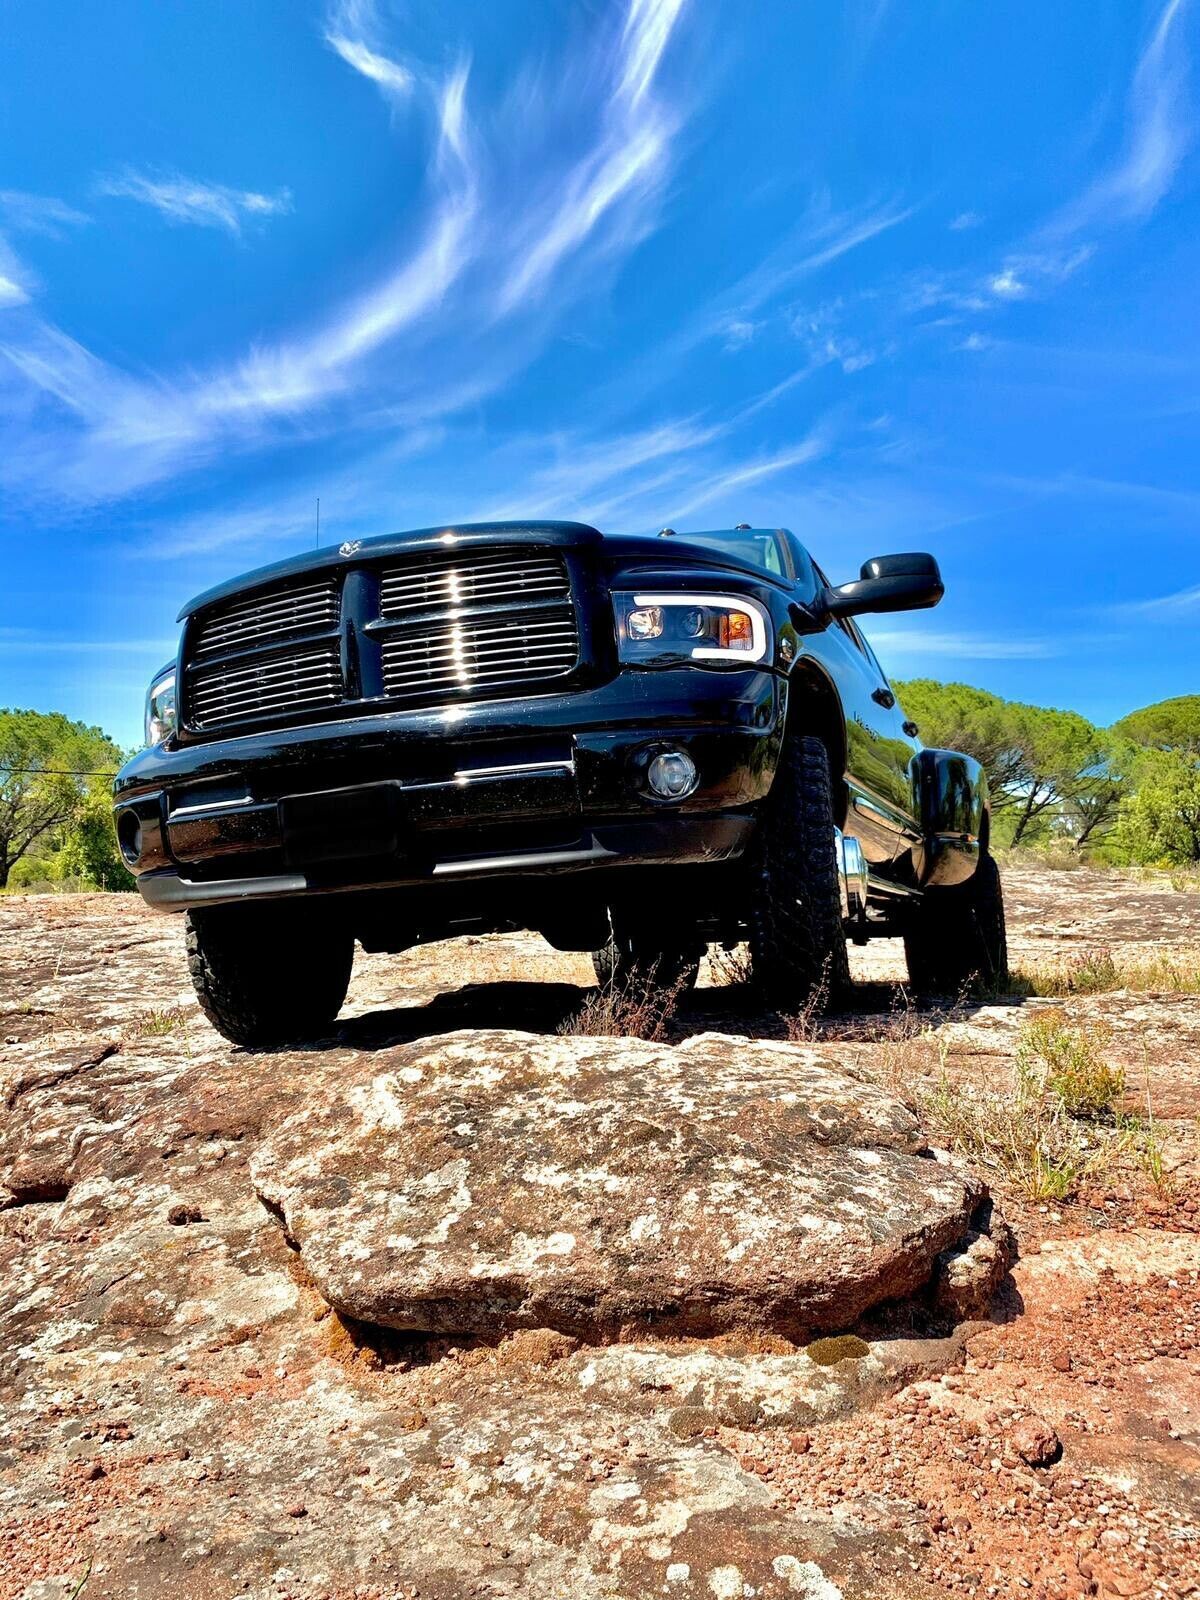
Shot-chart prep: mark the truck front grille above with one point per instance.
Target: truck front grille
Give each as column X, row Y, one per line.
column 417, row 629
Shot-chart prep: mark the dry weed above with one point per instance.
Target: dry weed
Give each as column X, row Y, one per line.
column 1100, row 972
column 1055, row 1125
column 156, row 1023
column 641, row 1008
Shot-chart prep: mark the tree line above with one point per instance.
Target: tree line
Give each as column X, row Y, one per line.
column 1129, row 793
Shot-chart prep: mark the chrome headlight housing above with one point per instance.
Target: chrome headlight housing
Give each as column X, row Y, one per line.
column 162, row 707
column 700, row 629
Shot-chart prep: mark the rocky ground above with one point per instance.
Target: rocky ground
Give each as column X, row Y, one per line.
column 212, row 1263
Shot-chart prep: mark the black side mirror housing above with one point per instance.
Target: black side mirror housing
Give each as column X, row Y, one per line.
column 909, row 582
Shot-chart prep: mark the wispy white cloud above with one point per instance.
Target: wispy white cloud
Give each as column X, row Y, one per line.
column 1082, row 486
column 619, row 175
column 820, row 329
column 647, row 32
column 302, row 371
column 190, row 200
column 1007, row 285
column 468, row 301
column 901, row 646
column 38, row 213
column 591, row 478
column 350, row 502
column 964, row 220
column 1022, row 274
column 17, row 283
column 823, row 240
column 739, row 332
column 352, row 31
column 745, row 474
column 1181, row 603
column 1157, row 135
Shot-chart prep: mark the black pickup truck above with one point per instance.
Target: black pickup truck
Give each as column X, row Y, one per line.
column 635, row 745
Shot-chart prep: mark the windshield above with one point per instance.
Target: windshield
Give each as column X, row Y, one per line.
column 762, row 546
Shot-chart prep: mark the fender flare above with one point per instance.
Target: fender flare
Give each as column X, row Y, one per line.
column 955, row 815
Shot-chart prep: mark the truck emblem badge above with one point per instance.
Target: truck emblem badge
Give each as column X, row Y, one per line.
column 350, row 548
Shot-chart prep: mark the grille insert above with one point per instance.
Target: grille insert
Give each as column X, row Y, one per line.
column 446, row 582
column 302, row 680
column 478, row 654
column 262, row 618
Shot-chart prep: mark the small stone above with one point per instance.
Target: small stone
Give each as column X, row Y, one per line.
column 1035, row 1441
column 801, row 1443
column 296, row 1509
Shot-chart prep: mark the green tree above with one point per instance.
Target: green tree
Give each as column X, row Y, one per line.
column 1159, row 824
column 89, row 851
column 45, row 783
column 1167, row 725
column 1092, row 810
column 1062, row 765
column 954, row 716
column 1042, row 764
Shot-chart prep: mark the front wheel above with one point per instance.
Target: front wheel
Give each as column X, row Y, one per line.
column 957, row 940
column 267, row 975
column 650, row 959
column 797, row 941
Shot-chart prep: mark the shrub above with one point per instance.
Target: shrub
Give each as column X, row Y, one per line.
column 1067, row 1062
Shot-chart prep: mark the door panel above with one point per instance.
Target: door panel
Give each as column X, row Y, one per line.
column 879, row 754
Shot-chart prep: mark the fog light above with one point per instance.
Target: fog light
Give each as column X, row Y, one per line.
column 672, row 775
column 129, row 836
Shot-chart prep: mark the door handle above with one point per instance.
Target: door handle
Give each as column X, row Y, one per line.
column 910, row 728
column 884, row 698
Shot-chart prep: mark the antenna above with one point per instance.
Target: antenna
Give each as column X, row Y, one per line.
column 317, row 546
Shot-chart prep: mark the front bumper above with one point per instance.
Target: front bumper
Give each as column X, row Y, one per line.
column 535, row 786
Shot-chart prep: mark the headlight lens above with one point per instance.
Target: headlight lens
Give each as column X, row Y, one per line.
column 659, row 629
column 161, row 708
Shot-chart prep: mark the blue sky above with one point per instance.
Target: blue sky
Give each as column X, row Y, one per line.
column 896, row 276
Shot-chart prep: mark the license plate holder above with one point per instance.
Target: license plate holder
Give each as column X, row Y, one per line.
column 341, row 825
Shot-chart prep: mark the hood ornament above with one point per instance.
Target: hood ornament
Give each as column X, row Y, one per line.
column 350, row 548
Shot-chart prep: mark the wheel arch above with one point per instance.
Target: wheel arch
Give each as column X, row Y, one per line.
column 815, row 707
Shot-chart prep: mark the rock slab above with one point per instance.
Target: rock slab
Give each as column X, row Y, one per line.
column 494, row 1180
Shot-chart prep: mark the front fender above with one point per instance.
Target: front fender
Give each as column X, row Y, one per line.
column 953, row 797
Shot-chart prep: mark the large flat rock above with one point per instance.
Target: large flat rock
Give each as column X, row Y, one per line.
column 488, row 1181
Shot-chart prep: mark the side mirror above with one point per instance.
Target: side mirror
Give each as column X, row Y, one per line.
column 888, row 583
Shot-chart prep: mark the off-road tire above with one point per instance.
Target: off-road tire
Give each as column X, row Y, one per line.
column 269, row 975
column 957, row 941
column 662, row 960
column 797, row 941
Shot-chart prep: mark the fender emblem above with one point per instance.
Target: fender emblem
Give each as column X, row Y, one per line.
column 350, row 548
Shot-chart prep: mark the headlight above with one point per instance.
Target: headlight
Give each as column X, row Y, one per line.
column 657, row 629
column 161, row 708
